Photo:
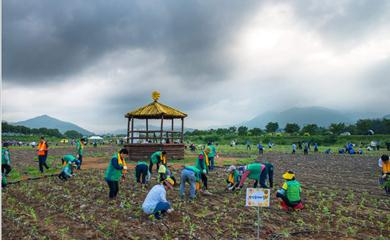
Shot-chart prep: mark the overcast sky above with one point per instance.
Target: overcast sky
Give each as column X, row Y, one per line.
column 222, row 62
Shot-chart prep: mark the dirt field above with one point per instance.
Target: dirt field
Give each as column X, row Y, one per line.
column 340, row 192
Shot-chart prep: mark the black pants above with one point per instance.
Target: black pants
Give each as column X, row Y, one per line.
column 81, row 161
column 267, row 172
column 114, row 188
column 204, row 180
column 42, row 162
column 5, row 169
column 151, row 165
column 284, row 198
column 141, row 171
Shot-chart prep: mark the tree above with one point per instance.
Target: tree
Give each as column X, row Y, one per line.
column 232, row 130
column 312, row 129
column 292, row 128
column 271, row 127
column 72, row 134
column 256, row 131
column 363, row 125
column 337, row 128
column 242, row 130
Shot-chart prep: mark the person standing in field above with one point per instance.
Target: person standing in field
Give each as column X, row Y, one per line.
column 202, row 164
column 115, row 170
column 211, row 155
column 261, row 148
column 294, row 148
column 157, row 158
column 80, row 150
column 42, row 152
column 5, row 160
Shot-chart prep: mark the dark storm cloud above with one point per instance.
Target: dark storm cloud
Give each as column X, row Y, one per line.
column 45, row 41
column 343, row 22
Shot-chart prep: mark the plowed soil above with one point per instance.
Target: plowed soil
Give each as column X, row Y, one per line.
column 341, row 196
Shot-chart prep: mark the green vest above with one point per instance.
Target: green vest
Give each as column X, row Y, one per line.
column 293, row 191
column 199, row 163
column 213, row 151
column 112, row 174
column 195, row 170
column 142, row 163
column 79, row 148
column 69, row 158
column 255, row 169
column 5, row 156
column 156, row 157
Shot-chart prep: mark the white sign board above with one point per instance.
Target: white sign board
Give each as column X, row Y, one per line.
column 257, row 197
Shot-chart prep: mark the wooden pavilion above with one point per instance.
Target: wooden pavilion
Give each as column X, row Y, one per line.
column 141, row 143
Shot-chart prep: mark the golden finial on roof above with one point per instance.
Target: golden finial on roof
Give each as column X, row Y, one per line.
column 155, row 95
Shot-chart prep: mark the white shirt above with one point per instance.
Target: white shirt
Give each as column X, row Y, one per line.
column 380, row 162
column 156, row 195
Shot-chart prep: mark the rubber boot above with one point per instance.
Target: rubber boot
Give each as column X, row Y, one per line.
column 283, row 205
column 299, row 206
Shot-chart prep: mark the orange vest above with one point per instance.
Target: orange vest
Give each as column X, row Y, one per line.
column 386, row 167
column 42, row 148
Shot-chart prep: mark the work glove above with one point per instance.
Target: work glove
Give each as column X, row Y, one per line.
column 125, row 168
column 204, row 171
column 384, row 176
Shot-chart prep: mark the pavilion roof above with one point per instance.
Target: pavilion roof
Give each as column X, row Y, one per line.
column 155, row 110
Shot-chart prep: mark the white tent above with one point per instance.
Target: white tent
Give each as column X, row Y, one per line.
column 96, row 138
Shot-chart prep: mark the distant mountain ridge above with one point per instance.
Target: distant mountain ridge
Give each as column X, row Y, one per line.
column 321, row 116
column 45, row 121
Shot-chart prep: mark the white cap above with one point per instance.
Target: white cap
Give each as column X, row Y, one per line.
column 231, row 168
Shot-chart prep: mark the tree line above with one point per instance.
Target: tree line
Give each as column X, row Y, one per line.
column 361, row 127
column 19, row 129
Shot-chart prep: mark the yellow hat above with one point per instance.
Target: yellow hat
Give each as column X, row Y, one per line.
column 288, row 175
column 169, row 182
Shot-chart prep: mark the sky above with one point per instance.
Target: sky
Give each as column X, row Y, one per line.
column 222, row 62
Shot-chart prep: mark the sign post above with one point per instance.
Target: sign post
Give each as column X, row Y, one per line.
column 257, row 197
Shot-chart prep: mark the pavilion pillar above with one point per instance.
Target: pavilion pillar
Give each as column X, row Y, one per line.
column 132, row 130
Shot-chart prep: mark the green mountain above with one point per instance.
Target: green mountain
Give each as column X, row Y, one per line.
column 48, row 122
column 323, row 117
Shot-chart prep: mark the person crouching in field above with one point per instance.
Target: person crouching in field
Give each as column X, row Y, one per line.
column 290, row 193
column 142, row 173
column 252, row 171
column 164, row 172
column 115, row 170
column 156, row 202
column 69, row 158
column 233, row 179
column 384, row 163
column 67, row 171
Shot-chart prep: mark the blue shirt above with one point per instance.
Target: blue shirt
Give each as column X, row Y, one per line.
column 156, row 195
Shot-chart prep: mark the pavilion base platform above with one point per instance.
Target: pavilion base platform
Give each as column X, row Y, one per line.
column 143, row 152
